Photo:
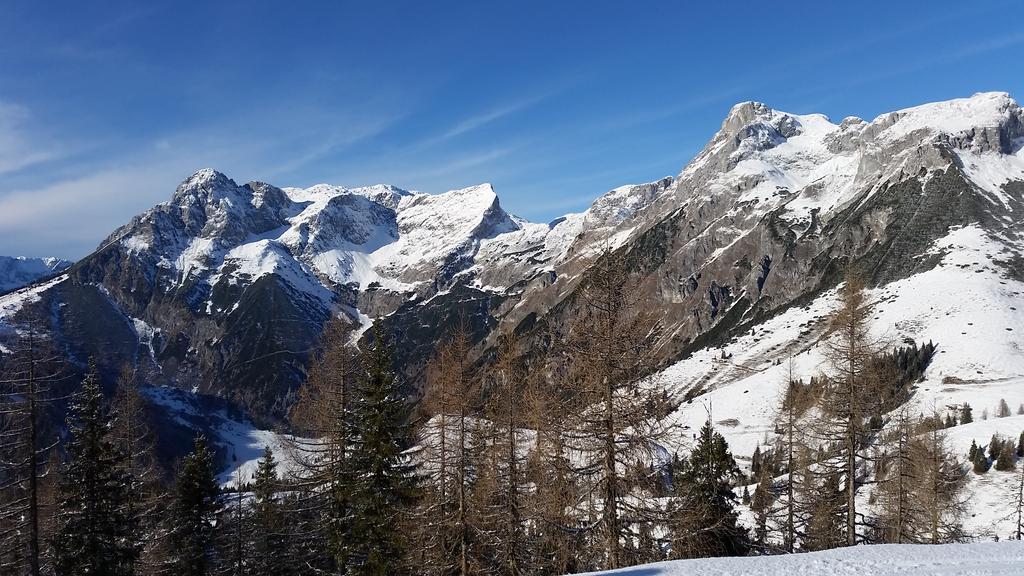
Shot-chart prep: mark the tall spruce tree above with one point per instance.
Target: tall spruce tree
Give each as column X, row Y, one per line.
column 96, row 534
column 966, row 414
column 192, row 514
column 705, row 521
column 385, row 485
column 269, row 543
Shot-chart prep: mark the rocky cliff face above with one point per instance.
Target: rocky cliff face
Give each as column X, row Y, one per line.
column 223, row 289
column 777, row 204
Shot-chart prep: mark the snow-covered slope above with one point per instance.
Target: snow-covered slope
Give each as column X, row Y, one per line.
column 968, row 304
column 983, row 559
column 16, row 272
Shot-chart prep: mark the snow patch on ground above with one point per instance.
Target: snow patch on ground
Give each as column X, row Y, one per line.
column 11, row 303
column 981, row 559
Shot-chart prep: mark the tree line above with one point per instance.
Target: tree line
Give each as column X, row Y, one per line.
column 546, row 461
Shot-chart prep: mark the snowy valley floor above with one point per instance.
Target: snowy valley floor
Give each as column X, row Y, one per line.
column 982, row 559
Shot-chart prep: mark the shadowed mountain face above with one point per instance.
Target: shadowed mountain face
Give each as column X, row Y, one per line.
column 223, row 290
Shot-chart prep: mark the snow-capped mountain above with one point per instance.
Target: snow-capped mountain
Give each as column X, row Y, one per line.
column 224, row 288
column 19, row 271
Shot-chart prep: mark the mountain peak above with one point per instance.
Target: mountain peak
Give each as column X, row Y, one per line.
column 201, row 185
column 204, row 177
column 984, row 121
column 744, row 113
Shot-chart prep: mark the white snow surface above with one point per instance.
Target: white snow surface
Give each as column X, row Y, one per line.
column 985, row 109
column 980, row 559
column 12, row 302
column 238, row 440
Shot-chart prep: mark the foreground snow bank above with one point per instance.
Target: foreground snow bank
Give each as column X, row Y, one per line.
column 982, row 559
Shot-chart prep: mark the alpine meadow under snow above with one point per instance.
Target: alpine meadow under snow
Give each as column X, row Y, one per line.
column 811, row 337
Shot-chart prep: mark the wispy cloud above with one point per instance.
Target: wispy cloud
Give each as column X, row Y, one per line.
column 69, row 217
column 480, row 120
column 320, row 146
column 19, row 148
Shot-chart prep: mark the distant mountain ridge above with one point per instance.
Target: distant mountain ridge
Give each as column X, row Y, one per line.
column 223, row 289
column 19, row 271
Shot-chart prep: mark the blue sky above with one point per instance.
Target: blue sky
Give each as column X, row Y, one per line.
column 105, row 107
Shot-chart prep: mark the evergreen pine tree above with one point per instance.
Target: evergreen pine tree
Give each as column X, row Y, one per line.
column 755, row 462
column 94, row 535
column 761, row 505
column 269, row 545
column 705, row 522
column 385, row 486
column 192, row 513
column 973, row 452
column 1020, row 446
column 966, row 416
column 980, row 462
column 1005, row 460
column 995, row 446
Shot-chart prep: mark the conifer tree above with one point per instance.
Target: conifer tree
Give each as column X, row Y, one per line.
column 826, row 518
column 557, row 541
column 995, row 446
column 448, row 531
column 1020, row 446
column 192, row 513
column 898, row 513
column 851, row 393
column 755, row 462
column 795, row 401
column 966, row 414
column 269, row 543
column 617, row 420
column 505, row 410
column 1005, row 460
column 980, row 464
column 761, row 504
column 705, row 522
column 96, row 533
column 940, row 489
column 134, row 440
column 324, row 474
column 385, row 487
column 29, row 372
